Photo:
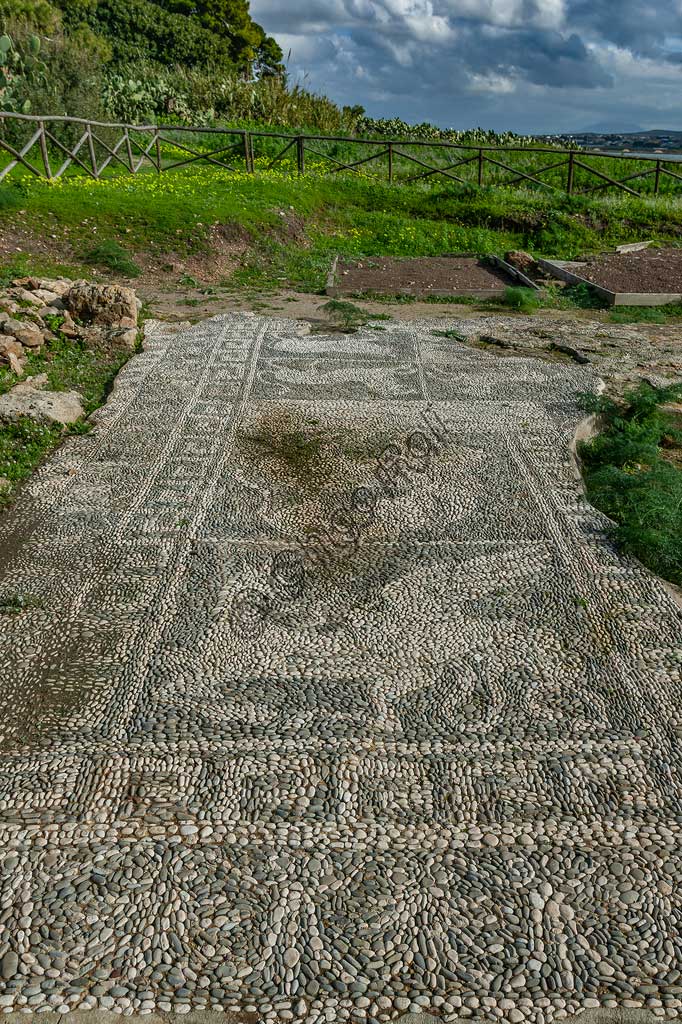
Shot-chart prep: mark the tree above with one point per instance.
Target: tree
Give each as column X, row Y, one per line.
column 269, row 59
column 141, row 29
column 250, row 49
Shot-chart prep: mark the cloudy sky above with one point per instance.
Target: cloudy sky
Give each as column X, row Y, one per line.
column 527, row 65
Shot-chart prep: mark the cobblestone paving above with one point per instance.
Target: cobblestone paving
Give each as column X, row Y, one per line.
column 330, row 699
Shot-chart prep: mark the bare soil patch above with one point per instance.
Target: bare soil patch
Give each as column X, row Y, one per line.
column 432, row 275
column 651, row 270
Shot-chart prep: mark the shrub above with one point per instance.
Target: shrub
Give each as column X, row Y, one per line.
column 395, row 128
column 110, row 254
column 20, row 69
column 630, row 477
column 526, row 300
column 147, row 91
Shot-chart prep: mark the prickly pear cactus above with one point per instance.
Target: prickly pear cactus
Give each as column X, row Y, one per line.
column 19, row 68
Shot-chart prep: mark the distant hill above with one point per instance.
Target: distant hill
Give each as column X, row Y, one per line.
column 609, row 128
column 640, row 133
column 648, row 140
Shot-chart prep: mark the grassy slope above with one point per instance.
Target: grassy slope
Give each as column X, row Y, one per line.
column 69, row 365
column 352, row 215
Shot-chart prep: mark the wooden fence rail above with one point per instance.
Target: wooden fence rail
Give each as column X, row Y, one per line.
column 162, row 148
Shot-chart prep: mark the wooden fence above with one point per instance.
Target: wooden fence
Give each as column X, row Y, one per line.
column 54, row 145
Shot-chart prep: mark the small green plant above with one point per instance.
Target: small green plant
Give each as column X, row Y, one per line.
column 582, row 296
column 187, row 281
column 108, row 253
column 450, row 333
column 371, row 296
column 54, row 321
column 525, row 300
column 646, row 314
column 348, row 315
column 13, row 604
column 632, row 474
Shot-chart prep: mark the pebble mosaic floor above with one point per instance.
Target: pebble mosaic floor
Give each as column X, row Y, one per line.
column 379, row 723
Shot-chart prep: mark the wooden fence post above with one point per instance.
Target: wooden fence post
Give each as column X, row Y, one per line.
column 44, row 152
column 390, row 163
column 157, row 147
column 571, row 172
column 129, row 151
column 300, row 153
column 247, row 151
column 481, row 158
column 91, row 150
column 657, row 180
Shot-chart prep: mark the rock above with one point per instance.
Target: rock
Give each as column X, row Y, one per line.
column 58, row 285
column 25, row 296
column 521, row 260
column 10, row 347
column 26, row 282
column 5, row 485
column 46, row 296
column 27, row 333
column 124, row 339
column 9, row 964
column 101, row 303
column 8, row 305
column 48, row 407
column 16, row 365
column 69, row 329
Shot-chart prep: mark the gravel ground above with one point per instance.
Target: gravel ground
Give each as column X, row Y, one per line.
column 331, row 699
column 436, row 275
column 651, row 270
column 621, row 354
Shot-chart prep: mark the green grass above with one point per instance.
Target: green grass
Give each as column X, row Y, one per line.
column 26, row 264
column 350, row 317
column 633, row 473
column 13, row 604
column 451, row 334
column 112, row 256
column 69, row 365
column 646, row 314
column 525, row 300
column 354, row 216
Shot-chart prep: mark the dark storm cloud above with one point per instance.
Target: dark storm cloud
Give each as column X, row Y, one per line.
column 636, row 25
column 541, row 57
column 548, row 65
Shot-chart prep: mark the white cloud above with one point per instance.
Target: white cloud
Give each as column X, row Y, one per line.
column 499, row 84
column 530, row 65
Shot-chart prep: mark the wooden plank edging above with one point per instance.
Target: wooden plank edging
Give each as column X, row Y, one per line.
column 331, row 288
column 514, row 273
column 558, row 268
